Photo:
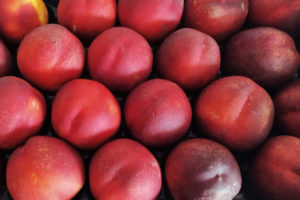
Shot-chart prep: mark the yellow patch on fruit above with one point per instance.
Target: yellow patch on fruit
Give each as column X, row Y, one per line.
column 41, row 10
column 33, row 105
column 34, row 178
column 111, row 107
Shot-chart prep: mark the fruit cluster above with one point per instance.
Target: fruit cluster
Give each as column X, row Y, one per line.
column 149, row 99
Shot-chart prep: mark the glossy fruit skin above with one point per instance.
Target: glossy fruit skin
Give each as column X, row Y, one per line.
column 6, row 60
column 85, row 113
column 266, row 55
column 23, row 110
column 282, row 14
column 154, row 19
column 18, row 17
column 219, row 19
column 44, row 168
column 202, row 169
column 198, row 63
column 275, row 170
column 124, row 169
column 158, row 113
column 236, row 112
column 87, row 18
column 120, row 64
column 287, row 101
column 49, row 56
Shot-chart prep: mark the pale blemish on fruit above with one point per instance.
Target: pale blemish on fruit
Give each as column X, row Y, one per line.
column 215, row 11
column 111, row 107
column 41, row 10
column 243, row 6
column 34, row 178
column 33, row 105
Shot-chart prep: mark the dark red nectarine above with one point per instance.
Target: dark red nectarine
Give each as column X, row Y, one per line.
column 236, row 112
column 188, row 57
column 287, row 108
column 219, row 19
column 87, row 18
column 44, row 168
column 49, row 56
column 276, row 169
column 266, row 55
column 124, row 169
column 22, row 111
column 18, row 17
column 202, row 169
column 282, row 14
column 85, row 113
column 158, row 112
column 154, row 19
column 120, row 58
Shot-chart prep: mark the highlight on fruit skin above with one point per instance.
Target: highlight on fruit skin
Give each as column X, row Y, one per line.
column 18, row 17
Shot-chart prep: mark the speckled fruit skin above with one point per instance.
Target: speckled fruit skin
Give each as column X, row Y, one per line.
column 6, row 60
column 18, row 17
column 158, row 113
column 85, row 113
column 266, row 55
column 50, row 56
column 236, row 112
column 154, row 19
column 219, row 19
column 202, row 169
column 120, row 64
column 22, row 111
column 287, row 102
column 44, row 168
column 87, row 18
column 124, row 169
column 188, row 57
column 282, row 14
column 275, row 170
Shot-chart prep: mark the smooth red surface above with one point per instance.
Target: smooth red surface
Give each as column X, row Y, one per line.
column 158, row 113
column 287, row 107
column 18, row 17
column 124, row 169
column 85, row 113
column 202, row 169
column 188, row 57
column 122, row 63
column 44, row 168
column 6, row 60
column 282, row 14
column 87, row 18
column 218, row 18
column 266, row 55
column 236, row 112
column 50, row 56
column 154, row 19
column 275, row 170
column 22, row 111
